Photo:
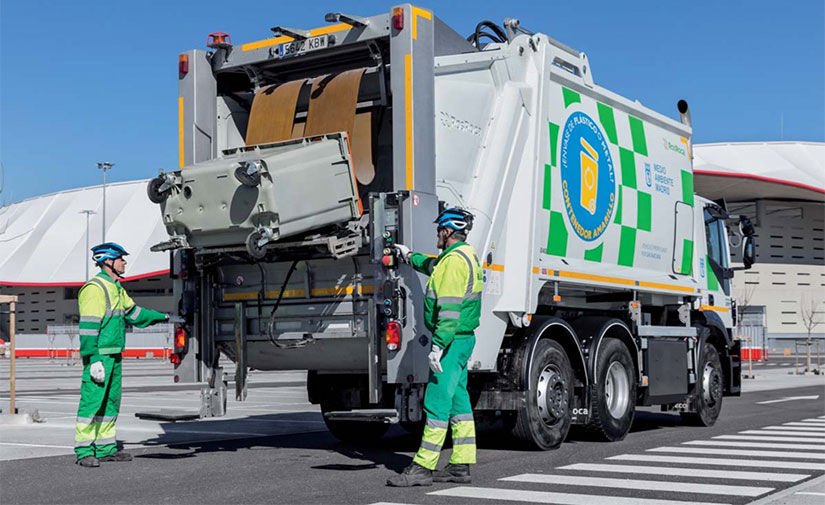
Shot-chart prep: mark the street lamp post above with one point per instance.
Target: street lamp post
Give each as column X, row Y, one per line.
column 85, row 256
column 105, row 166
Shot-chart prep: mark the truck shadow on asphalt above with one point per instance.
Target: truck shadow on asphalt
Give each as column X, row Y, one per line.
column 393, row 451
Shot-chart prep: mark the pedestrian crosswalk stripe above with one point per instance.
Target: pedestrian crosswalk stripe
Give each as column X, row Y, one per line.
column 740, row 452
column 713, row 473
column 764, row 445
column 771, row 439
column 814, row 420
column 803, row 429
column 777, row 432
column 755, row 463
column 809, row 425
column 648, row 485
column 492, row 493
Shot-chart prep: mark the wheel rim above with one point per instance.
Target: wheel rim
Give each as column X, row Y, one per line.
column 616, row 389
column 711, row 385
column 551, row 395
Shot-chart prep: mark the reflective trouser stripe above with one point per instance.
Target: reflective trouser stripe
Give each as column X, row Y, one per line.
column 464, row 441
column 430, row 450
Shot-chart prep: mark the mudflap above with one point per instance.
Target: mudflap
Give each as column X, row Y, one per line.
column 732, row 366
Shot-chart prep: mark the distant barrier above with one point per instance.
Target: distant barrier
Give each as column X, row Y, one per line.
column 63, row 342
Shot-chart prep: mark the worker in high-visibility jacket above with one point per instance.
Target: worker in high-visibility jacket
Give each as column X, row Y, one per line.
column 452, row 307
column 104, row 310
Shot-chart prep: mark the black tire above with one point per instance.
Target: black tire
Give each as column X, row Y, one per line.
column 544, row 420
column 613, row 400
column 252, row 246
column 360, row 432
column 154, row 193
column 246, row 179
column 709, row 391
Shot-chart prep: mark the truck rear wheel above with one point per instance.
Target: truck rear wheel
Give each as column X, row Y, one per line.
column 708, row 399
column 545, row 418
column 614, row 401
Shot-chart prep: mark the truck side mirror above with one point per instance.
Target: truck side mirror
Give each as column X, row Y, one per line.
column 748, row 251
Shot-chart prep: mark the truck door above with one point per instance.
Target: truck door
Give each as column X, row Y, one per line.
column 717, row 296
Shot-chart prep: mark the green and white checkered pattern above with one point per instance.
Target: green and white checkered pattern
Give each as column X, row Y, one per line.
column 633, row 214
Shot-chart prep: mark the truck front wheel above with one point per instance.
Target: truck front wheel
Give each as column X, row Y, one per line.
column 613, row 403
column 544, row 420
column 707, row 401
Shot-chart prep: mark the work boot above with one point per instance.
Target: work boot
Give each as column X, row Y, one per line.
column 117, row 456
column 88, row 462
column 413, row 475
column 453, row 473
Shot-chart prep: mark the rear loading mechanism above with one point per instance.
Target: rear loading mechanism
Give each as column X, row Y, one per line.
column 306, row 157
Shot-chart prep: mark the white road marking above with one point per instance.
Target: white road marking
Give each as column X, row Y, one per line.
column 491, row 493
column 787, row 433
column 38, row 445
column 809, row 425
column 788, row 399
column 804, row 429
column 756, row 463
column 739, row 452
column 814, row 420
column 763, row 445
column 648, row 485
column 771, row 439
column 687, row 472
column 811, row 493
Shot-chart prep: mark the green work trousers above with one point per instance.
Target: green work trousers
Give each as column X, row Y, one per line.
column 447, row 403
column 98, row 409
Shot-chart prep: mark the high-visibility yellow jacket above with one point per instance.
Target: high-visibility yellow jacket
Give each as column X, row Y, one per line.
column 104, row 309
column 452, row 305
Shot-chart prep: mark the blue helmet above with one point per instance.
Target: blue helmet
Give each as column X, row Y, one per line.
column 455, row 219
column 107, row 250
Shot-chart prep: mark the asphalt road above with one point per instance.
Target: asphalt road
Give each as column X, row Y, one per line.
column 233, row 463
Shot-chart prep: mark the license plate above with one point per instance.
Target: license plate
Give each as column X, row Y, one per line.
column 297, row 47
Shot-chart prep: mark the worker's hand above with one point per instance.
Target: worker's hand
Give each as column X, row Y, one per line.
column 403, row 252
column 435, row 359
column 175, row 319
column 97, row 372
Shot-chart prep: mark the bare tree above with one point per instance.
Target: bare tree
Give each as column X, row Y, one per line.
column 811, row 318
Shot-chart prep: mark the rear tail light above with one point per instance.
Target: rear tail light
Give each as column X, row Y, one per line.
column 180, row 340
column 175, row 360
column 183, row 65
column 393, row 336
column 398, row 18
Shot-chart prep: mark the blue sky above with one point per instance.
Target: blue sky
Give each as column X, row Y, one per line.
column 89, row 81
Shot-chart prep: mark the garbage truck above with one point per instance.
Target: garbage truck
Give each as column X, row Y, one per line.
column 304, row 157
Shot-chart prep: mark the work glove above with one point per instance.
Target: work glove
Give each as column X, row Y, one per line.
column 175, row 319
column 435, row 359
column 97, row 372
column 403, row 252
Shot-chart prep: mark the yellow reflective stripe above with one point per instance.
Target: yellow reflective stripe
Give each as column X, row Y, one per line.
column 324, row 30
column 616, row 280
column 463, row 454
column 714, row 308
column 180, row 133
column 498, row 268
column 274, row 41
column 408, row 123
column 299, row 293
column 427, row 458
column 414, row 14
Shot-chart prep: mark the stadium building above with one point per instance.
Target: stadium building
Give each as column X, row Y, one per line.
column 44, row 255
